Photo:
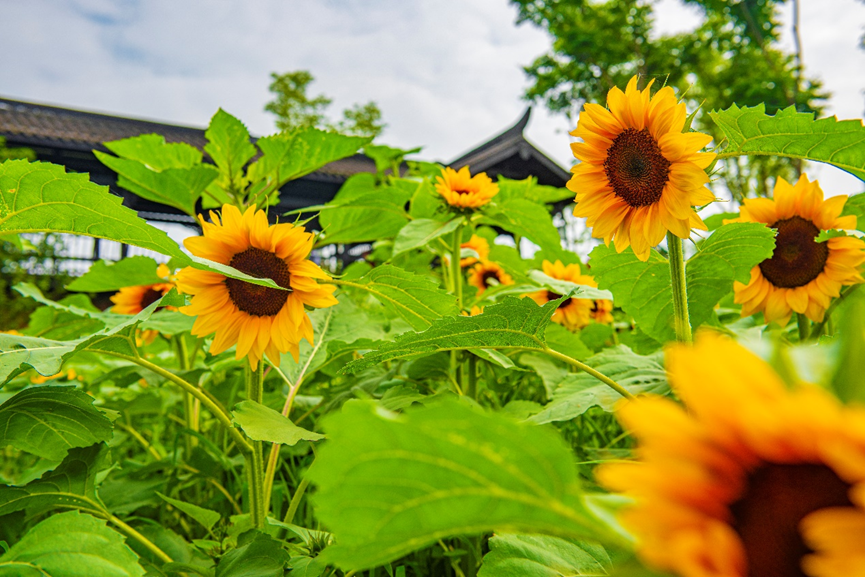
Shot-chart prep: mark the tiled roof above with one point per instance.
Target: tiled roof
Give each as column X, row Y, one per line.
column 36, row 125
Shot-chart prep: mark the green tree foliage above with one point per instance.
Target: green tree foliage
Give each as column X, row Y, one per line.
column 13, row 153
column 295, row 109
column 732, row 56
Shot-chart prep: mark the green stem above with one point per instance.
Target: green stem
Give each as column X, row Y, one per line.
column 295, row 500
column 147, row 543
column 255, row 459
column 456, row 270
column 219, row 412
column 804, row 328
column 587, row 369
column 473, row 377
column 680, row 291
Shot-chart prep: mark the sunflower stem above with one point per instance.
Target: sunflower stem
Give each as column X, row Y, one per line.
column 804, row 327
column 473, row 377
column 680, row 291
column 456, row 270
column 255, row 460
column 587, row 369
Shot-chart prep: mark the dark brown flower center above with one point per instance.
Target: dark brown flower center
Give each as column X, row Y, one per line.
column 767, row 516
column 149, row 297
column 636, row 168
column 797, row 259
column 551, row 296
column 254, row 299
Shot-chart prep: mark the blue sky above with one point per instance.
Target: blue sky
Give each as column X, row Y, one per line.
column 446, row 73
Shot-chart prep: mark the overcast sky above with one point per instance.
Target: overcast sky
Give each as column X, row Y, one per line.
column 446, row 73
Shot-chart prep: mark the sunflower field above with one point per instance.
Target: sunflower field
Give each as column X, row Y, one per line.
column 689, row 400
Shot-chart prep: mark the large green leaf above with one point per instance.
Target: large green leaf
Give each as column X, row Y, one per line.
column 369, row 217
column 42, row 197
column 515, row 555
column 390, row 484
column 529, row 219
column 229, row 146
column 574, row 393
column 421, row 232
column 642, row 289
column 153, row 151
column 71, row 484
column 71, row 545
column 793, row 134
column 511, row 324
column 290, row 155
column 111, row 276
column 417, row 299
column 48, row 421
column 727, row 255
column 261, row 423
column 177, row 187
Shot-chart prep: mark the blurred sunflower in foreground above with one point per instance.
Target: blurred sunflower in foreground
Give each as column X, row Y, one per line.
column 751, row 478
column 573, row 313
column 259, row 320
column 462, row 190
column 803, row 275
column 639, row 175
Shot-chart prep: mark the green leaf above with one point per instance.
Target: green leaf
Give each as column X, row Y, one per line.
column 71, row 484
column 177, row 187
column 260, row 557
column 529, row 189
column 574, row 393
column 390, row 484
column 42, row 197
column 48, row 421
column 514, row 555
column 111, row 276
column 512, row 324
column 229, row 146
column 261, row 423
column 373, row 216
column 727, row 255
column 642, row 289
column 153, row 151
column 72, row 545
column 416, row 299
column 855, row 205
column 794, row 135
column 564, row 341
column 421, row 232
column 529, row 219
column 290, row 155
column 206, row 517
column 850, row 357
column 563, row 287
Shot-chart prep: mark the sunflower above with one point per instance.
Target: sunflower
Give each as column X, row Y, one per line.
column 132, row 300
column 751, row 478
column 573, row 314
column 462, row 190
column 602, row 311
column 258, row 319
column 480, row 246
column 639, row 174
column 482, row 273
column 803, row 275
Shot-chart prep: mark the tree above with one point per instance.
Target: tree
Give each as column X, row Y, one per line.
column 295, row 109
column 731, row 57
